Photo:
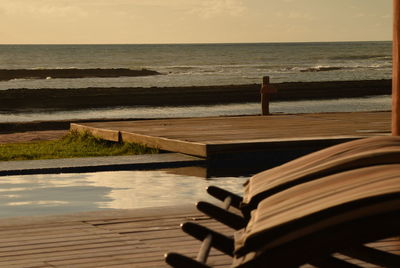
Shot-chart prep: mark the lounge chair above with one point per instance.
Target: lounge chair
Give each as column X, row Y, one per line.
column 346, row 156
column 322, row 222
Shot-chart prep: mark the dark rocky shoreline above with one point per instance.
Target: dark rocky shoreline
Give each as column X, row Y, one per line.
column 8, row 74
column 81, row 98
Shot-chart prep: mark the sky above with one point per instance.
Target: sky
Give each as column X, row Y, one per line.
column 192, row 21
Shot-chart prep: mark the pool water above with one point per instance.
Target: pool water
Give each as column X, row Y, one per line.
column 375, row 103
column 29, row 195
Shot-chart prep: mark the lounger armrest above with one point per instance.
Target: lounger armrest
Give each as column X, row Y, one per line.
column 222, row 215
column 222, row 194
column 177, row 260
column 220, row 241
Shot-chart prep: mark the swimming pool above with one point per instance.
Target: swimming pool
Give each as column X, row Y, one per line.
column 50, row 194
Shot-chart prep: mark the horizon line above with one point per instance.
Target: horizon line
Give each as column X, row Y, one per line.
column 189, row 43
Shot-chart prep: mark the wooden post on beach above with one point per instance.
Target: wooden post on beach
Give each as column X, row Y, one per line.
column 396, row 70
column 266, row 90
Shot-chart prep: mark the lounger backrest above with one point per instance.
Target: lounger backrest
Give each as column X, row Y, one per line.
column 355, row 154
column 318, row 205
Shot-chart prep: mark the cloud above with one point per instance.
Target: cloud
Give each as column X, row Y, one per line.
column 213, row 8
column 41, row 8
column 296, row 15
column 153, row 21
column 373, row 16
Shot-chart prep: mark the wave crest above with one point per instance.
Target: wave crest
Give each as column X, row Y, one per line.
column 322, row 69
column 360, row 57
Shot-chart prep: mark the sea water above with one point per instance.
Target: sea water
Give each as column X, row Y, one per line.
column 200, row 65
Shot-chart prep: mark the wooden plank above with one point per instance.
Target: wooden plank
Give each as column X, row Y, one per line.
column 40, row 230
column 174, row 145
column 45, row 240
column 139, row 219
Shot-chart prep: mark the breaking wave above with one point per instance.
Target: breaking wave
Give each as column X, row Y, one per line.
column 361, row 57
column 322, row 69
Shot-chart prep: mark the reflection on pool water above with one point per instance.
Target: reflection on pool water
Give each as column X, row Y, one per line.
column 69, row 193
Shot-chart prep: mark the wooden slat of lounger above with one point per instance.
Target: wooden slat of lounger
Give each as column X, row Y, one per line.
column 300, row 202
column 391, row 245
column 324, row 161
column 266, row 186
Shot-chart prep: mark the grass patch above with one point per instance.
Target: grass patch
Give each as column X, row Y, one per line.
column 74, row 144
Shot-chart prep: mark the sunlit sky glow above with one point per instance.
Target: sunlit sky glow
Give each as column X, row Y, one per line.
column 192, row 21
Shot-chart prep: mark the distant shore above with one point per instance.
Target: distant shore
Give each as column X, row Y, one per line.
column 9, row 74
column 81, row 98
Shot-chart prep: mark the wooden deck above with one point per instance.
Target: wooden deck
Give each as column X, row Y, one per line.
column 118, row 239
column 137, row 238
column 206, row 137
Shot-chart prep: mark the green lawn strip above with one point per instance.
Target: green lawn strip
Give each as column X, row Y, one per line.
column 74, row 144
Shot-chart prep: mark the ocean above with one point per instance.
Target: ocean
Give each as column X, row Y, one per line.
column 195, row 65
